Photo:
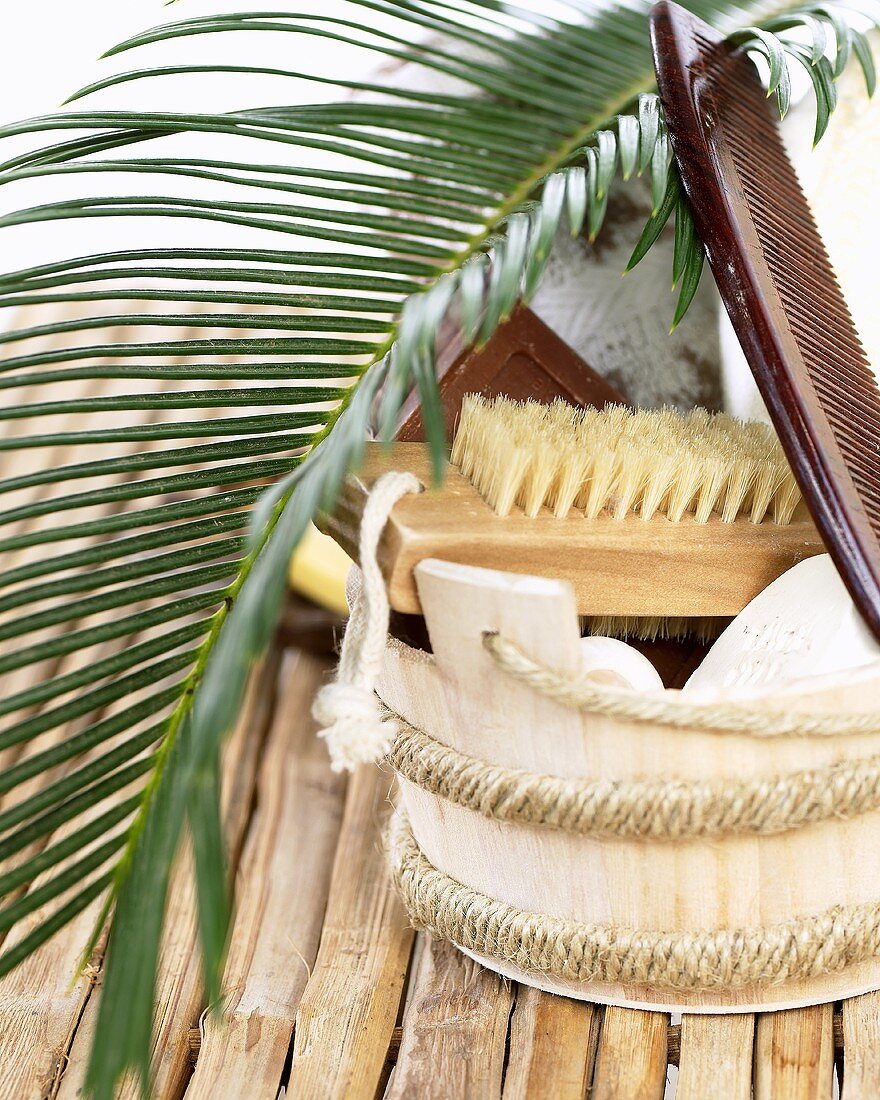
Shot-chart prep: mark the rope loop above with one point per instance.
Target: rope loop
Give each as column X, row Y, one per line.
column 702, row 717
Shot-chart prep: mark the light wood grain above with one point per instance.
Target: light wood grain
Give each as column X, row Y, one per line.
column 41, row 1003
column 794, row 1055
column 179, row 996
column 615, row 567
column 282, row 892
column 715, row 1057
column 631, row 1059
column 454, row 1031
column 861, row 1047
column 352, row 1000
column 462, row 699
column 552, row 1047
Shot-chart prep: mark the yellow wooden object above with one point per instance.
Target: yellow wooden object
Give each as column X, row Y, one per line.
column 318, row 569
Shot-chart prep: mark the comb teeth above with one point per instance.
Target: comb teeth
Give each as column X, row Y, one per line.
column 618, row 460
column 779, row 288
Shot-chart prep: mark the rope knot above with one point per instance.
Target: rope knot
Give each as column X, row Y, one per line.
column 356, row 729
column 352, row 721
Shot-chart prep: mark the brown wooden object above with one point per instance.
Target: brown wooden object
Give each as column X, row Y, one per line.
column 525, row 360
column 779, row 288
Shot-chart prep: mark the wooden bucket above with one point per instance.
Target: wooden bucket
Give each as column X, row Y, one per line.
column 817, row 881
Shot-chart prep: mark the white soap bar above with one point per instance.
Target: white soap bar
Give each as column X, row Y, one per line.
column 804, row 624
column 613, row 662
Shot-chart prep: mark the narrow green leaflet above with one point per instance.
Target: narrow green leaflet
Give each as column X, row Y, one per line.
column 174, row 414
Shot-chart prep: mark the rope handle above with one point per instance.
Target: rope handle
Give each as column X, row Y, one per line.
column 662, row 710
column 351, row 718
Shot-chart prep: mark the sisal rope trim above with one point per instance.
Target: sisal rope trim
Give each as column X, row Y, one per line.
column 667, row 810
column 707, row 717
column 794, row 950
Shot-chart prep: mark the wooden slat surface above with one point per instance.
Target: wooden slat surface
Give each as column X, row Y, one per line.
column 282, row 893
column 794, row 1054
column 454, row 1029
column 631, row 1060
column 861, row 1047
column 330, row 993
column 329, row 1020
column 351, row 1003
column 179, row 1000
column 554, row 1045
column 715, row 1058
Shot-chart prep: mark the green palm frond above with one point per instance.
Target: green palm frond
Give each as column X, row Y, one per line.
column 807, row 35
column 143, row 562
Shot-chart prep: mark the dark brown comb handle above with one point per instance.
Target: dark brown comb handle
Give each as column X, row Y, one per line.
column 778, row 286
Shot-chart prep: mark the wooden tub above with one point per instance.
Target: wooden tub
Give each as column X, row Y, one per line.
column 623, row 884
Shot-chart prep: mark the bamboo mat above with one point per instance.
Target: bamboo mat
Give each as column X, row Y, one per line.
column 329, row 993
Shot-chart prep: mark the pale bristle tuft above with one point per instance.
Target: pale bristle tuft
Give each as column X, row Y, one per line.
column 653, row 628
column 620, row 461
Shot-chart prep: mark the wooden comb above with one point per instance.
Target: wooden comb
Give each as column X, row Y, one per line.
column 778, row 286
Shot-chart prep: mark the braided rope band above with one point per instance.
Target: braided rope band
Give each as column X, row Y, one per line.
column 792, row 951
column 666, row 810
column 706, row 718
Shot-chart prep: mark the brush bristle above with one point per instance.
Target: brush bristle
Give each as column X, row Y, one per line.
column 653, row 628
column 619, row 460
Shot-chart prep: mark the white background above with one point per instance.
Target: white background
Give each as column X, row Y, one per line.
column 48, row 50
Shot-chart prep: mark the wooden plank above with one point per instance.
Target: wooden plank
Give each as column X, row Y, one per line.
column 861, row 1047
column 715, row 1057
column 794, row 1054
column 282, row 894
column 34, row 1057
column 179, row 996
column 350, row 1005
column 552, row 1046
column 43, row 999
column 454, row 1029
column 631, row 1059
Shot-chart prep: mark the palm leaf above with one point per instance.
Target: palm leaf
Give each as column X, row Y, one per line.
column 144, row 563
